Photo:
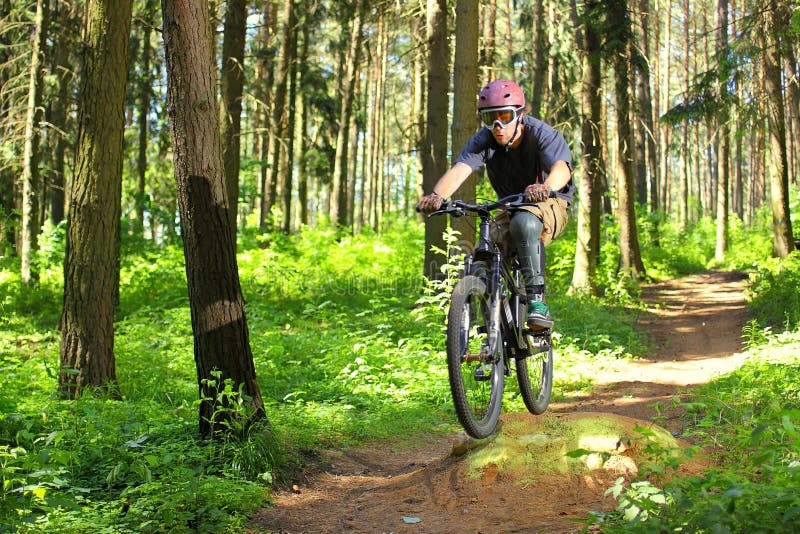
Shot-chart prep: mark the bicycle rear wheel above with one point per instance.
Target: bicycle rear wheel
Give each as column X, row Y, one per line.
column 535, row 374
column 476, row 375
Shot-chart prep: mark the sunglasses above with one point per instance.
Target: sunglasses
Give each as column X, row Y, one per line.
column 502, row 116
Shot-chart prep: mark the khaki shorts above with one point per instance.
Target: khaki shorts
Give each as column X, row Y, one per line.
column 553, row 213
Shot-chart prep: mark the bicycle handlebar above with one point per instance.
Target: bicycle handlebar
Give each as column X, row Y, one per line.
column 458, row 208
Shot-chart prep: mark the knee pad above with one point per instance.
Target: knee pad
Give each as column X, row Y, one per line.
column 525, row 228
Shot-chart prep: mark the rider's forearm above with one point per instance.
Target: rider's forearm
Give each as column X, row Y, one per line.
column 559, row 175
column 452, row 180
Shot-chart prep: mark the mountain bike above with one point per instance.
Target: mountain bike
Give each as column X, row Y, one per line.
column 487, row 333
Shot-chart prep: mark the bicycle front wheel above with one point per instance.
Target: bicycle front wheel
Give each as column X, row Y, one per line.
column 535, row 374
column 476, row 373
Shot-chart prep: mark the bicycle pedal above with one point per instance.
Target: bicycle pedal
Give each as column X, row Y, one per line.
column 480, row 375
column 538, row 343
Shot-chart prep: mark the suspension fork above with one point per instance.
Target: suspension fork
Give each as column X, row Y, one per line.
column 496, row 305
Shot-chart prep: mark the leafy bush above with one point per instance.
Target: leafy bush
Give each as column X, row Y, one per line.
column 750, row 417
column 775, row 292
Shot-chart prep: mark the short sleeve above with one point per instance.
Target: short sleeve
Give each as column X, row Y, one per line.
column 477, row 149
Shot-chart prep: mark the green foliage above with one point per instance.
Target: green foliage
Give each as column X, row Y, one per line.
column 348, row 344
column 750, row 417
column 775, row 291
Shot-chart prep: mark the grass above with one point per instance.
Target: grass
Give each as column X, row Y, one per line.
column 347, row 343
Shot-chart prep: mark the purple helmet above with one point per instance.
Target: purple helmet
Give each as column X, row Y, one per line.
column 501, row 93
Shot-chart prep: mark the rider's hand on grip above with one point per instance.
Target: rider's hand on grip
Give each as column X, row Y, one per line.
column 430, row 203
column 537, row 193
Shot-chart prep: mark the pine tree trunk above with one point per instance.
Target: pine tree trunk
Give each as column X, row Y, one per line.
column 305, row 115
column 91, row 267
column 664, row 62
column 264, row 72
column 782, row 239
column 221, row 340
column 541, row 53
column 435, row 150
column 31, row 177
column 587, row 248
column 723, row 141
column 465, row 86
column 630, row 262
column 287, row 169
column 232, row 87
column 280, row 115
column 339, row 194
column 57, row 182
column 145, row 95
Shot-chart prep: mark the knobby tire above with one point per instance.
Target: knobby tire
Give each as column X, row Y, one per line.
column 477, row 402
column 535, row 377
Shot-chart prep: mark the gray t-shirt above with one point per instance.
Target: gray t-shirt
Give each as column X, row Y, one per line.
column 511, row 171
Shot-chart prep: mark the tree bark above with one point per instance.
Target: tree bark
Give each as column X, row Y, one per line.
column 646, row 125
column 280, row 116
column 465, row 85
column 664, row 189
column 435, row 150
column 723, row 140
column 775, row 24
column 221, row 340
column 57, row 182
column 339, row 195
column 264, row 71
column 540, row 60
column 230, row 110
column 145, row 96
column 287, row 161
column 31, row 177
column 91, row 267
column 630, row 261
column 587, row 248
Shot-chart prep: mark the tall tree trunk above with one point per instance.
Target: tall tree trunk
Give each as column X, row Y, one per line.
column 230, row 109
column 646, row 124
column 221, row 340
column 686, row 154
column 57, row 182
column 280, row 116
column 91, row 267
column 416, row 111
column 540, row 61
column 664, row 64
column 339, row 195
column 264, row 71
column 305, row 115
column 775, row 24
column 723, row 141
column 435, row 150
column 790, row 69
column 587, row 248
column 630, row 261
column 287, row 165
column 465, row 85
column 489, row 50
column 145, row 96
column 31, row 176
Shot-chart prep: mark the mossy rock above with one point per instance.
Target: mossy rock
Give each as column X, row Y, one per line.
column 567, row 443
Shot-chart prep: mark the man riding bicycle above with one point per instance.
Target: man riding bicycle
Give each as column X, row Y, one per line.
column 522, row 154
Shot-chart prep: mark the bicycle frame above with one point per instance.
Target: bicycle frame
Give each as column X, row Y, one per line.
column 507, row 309
column 486, row 327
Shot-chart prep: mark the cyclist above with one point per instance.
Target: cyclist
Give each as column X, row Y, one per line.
column 521, row 154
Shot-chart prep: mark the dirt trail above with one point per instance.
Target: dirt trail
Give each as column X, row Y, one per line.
column 696, row 323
